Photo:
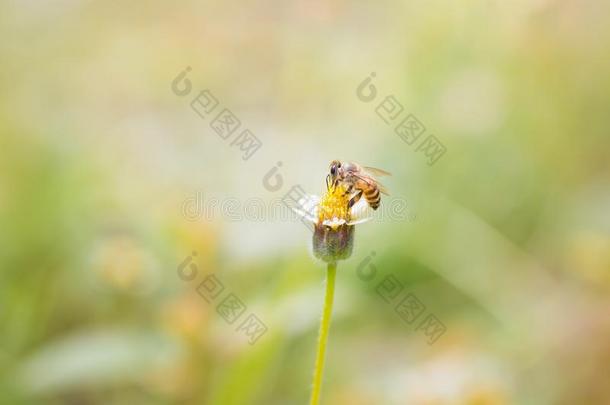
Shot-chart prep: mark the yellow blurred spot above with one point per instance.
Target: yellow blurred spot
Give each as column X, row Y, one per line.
column 486, row 396
column 186, row 316
column 120, row 262
column 589, row 255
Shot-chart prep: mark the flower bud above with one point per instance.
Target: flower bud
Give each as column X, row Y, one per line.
column 333, row 244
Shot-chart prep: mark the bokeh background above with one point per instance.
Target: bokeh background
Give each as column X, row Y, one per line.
column 505, row 239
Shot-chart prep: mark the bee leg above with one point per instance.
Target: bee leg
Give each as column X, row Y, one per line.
column 354, row 199
column 349, row 190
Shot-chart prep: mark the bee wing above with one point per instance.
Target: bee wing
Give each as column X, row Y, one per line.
column 382, row 188
column 377, row 172
column 371, row 181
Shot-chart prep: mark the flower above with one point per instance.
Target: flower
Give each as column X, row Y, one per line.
column 334, row 220
column 333, row 244
column 334, row 217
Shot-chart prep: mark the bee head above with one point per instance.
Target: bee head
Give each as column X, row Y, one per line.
column 335, row 166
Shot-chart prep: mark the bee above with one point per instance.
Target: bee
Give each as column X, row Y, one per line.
column 358, row 180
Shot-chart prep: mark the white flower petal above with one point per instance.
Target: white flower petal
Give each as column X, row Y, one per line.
column 361, row 212
column 359, row 221
column 307, row 207
column 305, row 215
column 334, row 223
column 309, row 203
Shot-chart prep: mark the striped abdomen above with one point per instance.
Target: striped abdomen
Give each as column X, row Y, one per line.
column 371, row 193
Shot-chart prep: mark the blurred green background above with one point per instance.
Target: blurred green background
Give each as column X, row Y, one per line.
column 506, row 238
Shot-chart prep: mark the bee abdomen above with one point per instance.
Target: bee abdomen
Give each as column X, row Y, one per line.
column 373, row 197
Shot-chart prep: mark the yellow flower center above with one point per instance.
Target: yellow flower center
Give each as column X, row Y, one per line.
column 334, row 205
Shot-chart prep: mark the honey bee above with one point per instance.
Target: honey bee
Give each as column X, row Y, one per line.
column 358, row 180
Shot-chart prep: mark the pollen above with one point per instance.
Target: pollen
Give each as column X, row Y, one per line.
column 333, row 207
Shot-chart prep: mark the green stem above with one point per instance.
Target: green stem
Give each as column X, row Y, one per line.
column 323, row 334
